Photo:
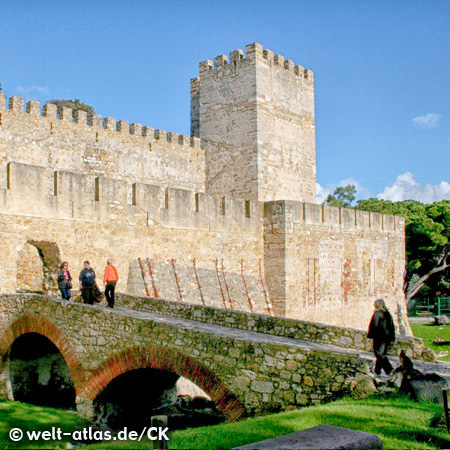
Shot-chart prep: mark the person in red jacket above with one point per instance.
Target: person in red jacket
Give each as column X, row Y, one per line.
column 110, row 280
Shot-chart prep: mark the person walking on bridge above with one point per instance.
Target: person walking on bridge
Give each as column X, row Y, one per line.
column 110, row 279
column 87, row 283
column 64, row 281
column 382, row 331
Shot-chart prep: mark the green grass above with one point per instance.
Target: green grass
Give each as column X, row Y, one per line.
column 428, row 331
column 399, row 422
column 34, row 418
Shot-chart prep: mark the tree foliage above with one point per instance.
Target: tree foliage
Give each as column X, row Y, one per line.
column 76, row 105
column 427, row 243
column 343, row 196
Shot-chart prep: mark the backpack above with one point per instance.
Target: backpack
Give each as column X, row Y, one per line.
column 89, row 278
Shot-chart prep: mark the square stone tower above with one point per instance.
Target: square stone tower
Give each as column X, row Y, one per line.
column 255, row 116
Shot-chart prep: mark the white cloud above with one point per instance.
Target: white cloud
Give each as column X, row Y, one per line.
column 321, row 193
column 406, row 187
column 427, row 121
column 30, row 91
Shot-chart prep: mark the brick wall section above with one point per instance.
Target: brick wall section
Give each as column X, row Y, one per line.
column 277, row 326
column 247, row 373
column 224, row 283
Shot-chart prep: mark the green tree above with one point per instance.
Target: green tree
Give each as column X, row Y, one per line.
column 76, row 105
column 343, row 196
column 427, row 242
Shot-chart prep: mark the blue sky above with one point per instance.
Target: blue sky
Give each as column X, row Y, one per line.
column 382, row 72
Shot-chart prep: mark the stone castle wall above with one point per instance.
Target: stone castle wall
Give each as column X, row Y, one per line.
column 199, row 254
column 90, row 145
column 226, row 218
column 329, row 264
column 87, row 217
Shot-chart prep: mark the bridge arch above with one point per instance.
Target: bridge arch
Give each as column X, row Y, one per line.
column 169, row 360
column 33, row 324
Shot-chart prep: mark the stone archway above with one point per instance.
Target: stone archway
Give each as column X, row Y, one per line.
column 38, row 266
column 34, row 324
column 170, row 361
column 38, row 373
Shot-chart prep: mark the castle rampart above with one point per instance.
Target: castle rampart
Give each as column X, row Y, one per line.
column 98, row 146
column 327, row 262
column 226, row 218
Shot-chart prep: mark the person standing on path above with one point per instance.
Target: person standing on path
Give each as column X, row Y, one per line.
column 382, row 331
column 110, row 280
column 87, row 283
column 64, row 281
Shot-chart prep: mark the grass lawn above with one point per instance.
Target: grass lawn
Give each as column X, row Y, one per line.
column 428, row 331
column 34, row 418
column 399, row 422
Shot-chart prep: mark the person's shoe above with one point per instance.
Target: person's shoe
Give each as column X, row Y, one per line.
column 109, row 306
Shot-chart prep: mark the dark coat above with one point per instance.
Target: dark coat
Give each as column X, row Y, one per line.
column 381, row 328
column 62, row 280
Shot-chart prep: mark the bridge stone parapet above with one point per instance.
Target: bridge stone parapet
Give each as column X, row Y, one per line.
column 244, row 372
column 277, row 326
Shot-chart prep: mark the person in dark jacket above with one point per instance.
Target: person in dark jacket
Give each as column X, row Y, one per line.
column 65, row 281
column 87, row 283
column 382, row 331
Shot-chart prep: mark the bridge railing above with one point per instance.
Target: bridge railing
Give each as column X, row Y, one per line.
column 278, row 326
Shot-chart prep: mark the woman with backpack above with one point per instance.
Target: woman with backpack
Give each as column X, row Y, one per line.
column 64, row 281
column 382, row 331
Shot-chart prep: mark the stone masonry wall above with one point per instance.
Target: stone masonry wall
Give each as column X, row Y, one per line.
column 97, row 147
column 320, row 264
column 242, row 375
column 223, row 283
column 255, row 116
column 90, row 218
column 76, row 188
column 329, row 264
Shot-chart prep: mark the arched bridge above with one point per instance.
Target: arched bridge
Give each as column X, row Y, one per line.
column 246, row 363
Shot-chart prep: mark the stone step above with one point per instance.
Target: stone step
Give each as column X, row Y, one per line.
column 322, row 436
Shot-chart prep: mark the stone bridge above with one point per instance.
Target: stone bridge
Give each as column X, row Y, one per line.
column 246, row 363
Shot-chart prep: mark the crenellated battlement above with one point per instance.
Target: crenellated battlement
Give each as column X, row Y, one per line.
column 91, row 144
column 254, row 52
column 16, row 106
column 41, row 192
column 300, row 214
column 69, row 195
